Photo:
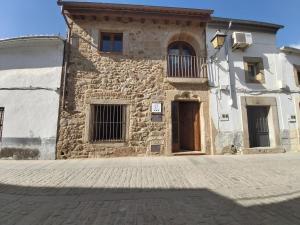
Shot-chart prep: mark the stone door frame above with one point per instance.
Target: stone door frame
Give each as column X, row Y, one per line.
column 273, row 120
column 195, row 96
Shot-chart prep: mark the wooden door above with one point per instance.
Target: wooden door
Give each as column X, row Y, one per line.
column 189, row 126
column 258, row 126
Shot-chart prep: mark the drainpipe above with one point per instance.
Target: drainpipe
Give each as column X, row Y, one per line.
column 66, row 58
column 227, row 53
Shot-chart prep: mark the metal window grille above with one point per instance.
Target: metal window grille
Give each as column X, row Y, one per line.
column 109, row 123
column 1, row 121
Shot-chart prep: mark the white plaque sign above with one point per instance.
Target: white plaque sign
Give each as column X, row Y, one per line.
column 156, row 107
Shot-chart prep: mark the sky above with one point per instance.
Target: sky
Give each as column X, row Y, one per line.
column 40, row 17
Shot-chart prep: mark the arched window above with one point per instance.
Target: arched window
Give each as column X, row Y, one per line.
column 182, row 60
column 181, row 48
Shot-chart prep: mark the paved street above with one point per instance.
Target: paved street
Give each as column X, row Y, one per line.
column 229, row 190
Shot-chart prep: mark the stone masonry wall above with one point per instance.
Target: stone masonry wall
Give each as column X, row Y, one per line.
column 137, row 77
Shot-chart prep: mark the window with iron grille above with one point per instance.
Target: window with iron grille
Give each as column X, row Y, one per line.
column 109, row 123
column 1, row 121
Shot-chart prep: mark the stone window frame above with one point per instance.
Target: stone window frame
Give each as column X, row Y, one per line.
column 297, row 74
column 260, row 64
column 274, row 118
column 89, row 124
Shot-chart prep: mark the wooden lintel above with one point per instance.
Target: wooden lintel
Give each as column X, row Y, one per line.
column 138, row 15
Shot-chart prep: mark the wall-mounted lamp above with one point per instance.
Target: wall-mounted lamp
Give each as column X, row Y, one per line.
column 218, row 40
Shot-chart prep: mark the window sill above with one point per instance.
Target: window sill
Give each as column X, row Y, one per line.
column 111, row 53
column 109, row 144
column 187, row 80
column 255, row 82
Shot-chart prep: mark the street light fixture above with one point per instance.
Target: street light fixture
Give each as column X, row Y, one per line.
column 218, row 40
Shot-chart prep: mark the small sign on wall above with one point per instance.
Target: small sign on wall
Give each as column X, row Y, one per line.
column 224, row 117
column 292, row 119
column 156, row 108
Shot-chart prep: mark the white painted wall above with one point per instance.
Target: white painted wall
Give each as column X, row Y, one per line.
column 264, row 45
column 30, row 76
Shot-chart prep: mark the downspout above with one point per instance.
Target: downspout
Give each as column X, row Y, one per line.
column 66, row 58
column 60, row 2
column 64, row 76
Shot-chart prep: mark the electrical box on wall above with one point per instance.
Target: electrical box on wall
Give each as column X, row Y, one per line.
column 155, row 148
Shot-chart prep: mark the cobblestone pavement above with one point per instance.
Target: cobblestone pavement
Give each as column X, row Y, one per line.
column 229, row 190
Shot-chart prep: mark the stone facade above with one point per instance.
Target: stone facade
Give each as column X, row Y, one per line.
column 136, row 78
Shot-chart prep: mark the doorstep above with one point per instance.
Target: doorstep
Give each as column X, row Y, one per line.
column 263, row 150
column 188, row 153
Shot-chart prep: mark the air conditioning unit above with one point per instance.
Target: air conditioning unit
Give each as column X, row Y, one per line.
column 241, row 40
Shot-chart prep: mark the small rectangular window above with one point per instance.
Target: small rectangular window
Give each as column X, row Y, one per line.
column 109, row 123
column 1, row 121
column 111, row 42
column 254, row 70
column 297, row 74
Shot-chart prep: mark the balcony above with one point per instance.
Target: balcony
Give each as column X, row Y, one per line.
column 186, row 69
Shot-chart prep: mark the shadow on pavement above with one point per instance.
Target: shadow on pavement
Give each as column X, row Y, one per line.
column 91, row 206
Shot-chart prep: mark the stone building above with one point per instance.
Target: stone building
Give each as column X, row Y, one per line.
column 136, row 81
column 30, row 78
column 290, row 69
column 143, row 80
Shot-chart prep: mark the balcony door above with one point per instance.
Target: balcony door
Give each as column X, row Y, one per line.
column 182, row 60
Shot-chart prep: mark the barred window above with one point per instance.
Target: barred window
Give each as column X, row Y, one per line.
column 1, row 121
column 109, row 123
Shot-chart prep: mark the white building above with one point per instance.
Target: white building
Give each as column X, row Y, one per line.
column 30, row 78
column 254, row 96
column 290, row 69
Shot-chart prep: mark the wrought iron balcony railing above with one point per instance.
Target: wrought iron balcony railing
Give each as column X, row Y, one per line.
column 181, row 66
